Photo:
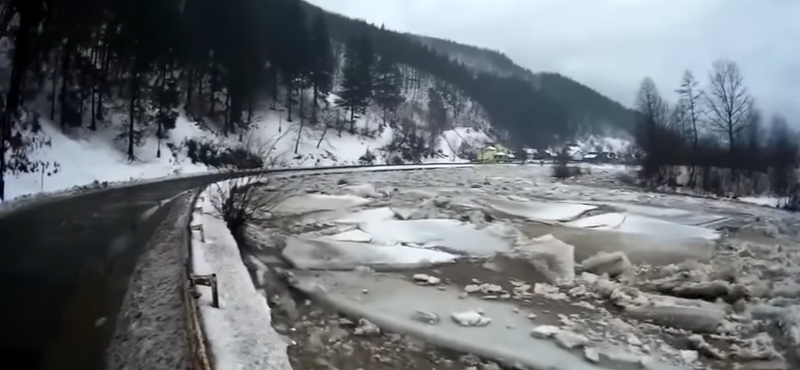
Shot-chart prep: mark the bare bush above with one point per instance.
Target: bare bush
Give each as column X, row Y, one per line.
column 244, row 200
column 792, row 202
column 561, row 168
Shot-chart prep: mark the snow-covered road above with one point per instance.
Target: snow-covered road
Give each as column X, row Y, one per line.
column 593, row 274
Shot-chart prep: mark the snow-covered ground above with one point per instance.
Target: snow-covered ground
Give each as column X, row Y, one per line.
column 80, row 158
column 592, row 275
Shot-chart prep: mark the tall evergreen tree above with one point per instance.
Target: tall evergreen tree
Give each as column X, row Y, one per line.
column 437, row 115
column 295, row 55
column 350, row 97
column 365, row 61
column 387, row 94
column 322, row 63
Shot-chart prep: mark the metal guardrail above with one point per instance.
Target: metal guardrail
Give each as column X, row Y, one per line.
column 199, row 358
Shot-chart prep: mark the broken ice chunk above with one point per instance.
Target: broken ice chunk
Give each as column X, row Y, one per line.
column 430, row 318
column 689, row 356
column 612, row 264
column 570, row 340
column 544, row 331
column 470, row 318
column 426, row 279
column 366, row 328
column 591, row 354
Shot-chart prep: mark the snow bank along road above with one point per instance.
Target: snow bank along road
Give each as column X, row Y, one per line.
column 65, row 266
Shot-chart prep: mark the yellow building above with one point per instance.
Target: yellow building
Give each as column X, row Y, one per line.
column 494, row 153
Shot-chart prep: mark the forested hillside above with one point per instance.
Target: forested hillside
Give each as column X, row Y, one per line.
column 527, row 110
column 589, row 112
column 95, row 87
column 168, row 82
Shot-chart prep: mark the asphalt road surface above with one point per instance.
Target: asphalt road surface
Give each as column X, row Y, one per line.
column 64, row 269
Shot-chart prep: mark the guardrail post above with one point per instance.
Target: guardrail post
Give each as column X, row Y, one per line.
column 199, row 227
column 209, row 281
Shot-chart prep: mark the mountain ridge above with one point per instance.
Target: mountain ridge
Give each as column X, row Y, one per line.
column 556, row 84
column 535, row 109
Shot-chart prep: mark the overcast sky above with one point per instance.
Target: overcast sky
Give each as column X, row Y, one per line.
column 611, row 45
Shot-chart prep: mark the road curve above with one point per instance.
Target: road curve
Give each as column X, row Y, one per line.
column 65, row 265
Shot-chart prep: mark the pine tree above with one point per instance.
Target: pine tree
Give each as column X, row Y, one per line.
column 437, row 114
column 294, row 54
column 387, row 94
column 350, row 96
column 366, row 59
column 322, row 63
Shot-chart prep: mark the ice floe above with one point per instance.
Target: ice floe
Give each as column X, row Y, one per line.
column 539, row 211
column 637, row 224
column 317, row 202
column 450, row 234
column 329, row 254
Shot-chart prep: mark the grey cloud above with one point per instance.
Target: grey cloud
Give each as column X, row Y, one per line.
column 611, row 45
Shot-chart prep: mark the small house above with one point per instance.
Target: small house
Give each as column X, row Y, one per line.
column 494, row 153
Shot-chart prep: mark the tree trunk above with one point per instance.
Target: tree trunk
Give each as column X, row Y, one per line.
column 134, row 86
column 103, row 84
column 352, row 119
column 19, row 66
column 160, row 123
column 227, row 114
column 324, row 131
column 249, row 112
column 289, row 86
column 62, row 97
column 272, row 105
column 214, row 76
column 300, row 112
column 299, row 134
column 53, row 88
column 315, row 107
column 189, row 86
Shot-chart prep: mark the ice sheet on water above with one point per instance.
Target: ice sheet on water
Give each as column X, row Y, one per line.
column 444, row 233
column 348, row 216
column 638, row 224
column 356, row 236
column 383, row 213
column 328, row 254
column 393, row 301
column 318, row 202
column 539, row 211
column 646, row 210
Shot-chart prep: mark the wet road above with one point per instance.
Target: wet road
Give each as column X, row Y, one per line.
column 64, row 269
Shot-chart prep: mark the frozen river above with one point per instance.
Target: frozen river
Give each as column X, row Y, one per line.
column 508, row 264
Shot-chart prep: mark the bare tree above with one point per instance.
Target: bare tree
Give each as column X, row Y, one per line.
column 656, row 140
column 728, row 101
column 330, row 118
column 653, row 112
column 689, row 95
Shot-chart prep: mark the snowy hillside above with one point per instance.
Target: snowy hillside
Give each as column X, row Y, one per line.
column 80, row 157
column 83, row 157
